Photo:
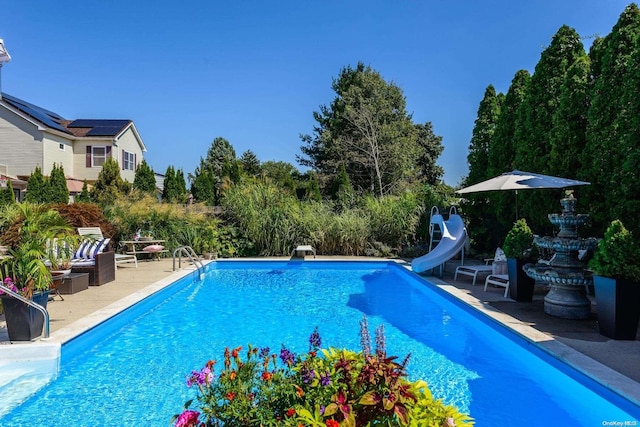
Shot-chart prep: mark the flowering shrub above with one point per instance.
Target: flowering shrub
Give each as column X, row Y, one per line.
column 9, row 283
column 320, row 388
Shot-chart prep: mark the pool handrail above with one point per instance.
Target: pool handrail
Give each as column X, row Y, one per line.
column 193, row 257
column 35, row 305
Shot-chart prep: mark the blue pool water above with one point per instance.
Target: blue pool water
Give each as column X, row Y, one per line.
column 131, row 370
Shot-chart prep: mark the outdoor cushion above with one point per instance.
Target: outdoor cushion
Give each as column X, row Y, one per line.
column 499, row 265
column 88, row 249
column 153, row 248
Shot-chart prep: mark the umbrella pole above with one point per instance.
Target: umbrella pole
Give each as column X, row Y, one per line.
column 516, row 205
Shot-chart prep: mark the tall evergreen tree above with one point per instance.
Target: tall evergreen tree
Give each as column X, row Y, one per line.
column 181, row 187
column 479, row 212
column 483, row 130
column 145, row 179
column 342, row 191
column 109, row 185
column 313, row 189
column 7, row 196
column 37, row 187
column 367, row 126
column 203, row 184
column 83, row 197
column 568, row 135
column 502, row 157
column 58, row 192
column 535, row 122
column 503, row 144
column 250, row 164
column 607, row 147
column 170, row 187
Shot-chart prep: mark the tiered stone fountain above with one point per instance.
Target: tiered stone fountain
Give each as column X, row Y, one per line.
column 565, row 274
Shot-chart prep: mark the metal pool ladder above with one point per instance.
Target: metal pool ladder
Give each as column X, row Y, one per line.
column 193, row 257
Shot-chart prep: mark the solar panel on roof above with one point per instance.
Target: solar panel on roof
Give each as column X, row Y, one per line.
column 90, row 123
column 104, row 131
column 46, row 117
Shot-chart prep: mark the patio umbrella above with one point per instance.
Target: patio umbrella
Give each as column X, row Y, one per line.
column 519, row 180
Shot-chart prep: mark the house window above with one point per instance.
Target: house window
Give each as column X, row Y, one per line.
column 98, row 156
column 61, row 147
column 128, row 161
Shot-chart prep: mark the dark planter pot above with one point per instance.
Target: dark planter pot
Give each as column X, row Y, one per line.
column 520, row 285
column 24, row 323
column 618, row 303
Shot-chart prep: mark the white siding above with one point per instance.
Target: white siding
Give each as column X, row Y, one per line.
column 53, row 154
column 128, row 142
column 20, row 144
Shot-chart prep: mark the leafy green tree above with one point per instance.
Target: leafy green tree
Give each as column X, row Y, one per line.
column 250, row 164
column 609, row 157
column 282, row 174
column 366, row 126
column 83, row 197
column 430, row 149
column 145, row 179
column 109, row 185
column 37, row 187
column 58, row 192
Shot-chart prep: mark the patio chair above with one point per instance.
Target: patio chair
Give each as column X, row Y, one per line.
column 96, row 233
column 492, row 265
column 498, row 280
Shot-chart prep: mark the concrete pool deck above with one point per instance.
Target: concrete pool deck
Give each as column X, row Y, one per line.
column 613, row 363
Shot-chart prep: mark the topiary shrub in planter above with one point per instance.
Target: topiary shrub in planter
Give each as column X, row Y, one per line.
column 519, row 249
column 616, row 268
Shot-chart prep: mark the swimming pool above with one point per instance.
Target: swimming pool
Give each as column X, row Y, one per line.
column 131, row 370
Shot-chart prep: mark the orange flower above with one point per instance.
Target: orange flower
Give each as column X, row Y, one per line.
column 312, row 353
column 291, row 412
column 230, row 396
column 332, row 423
column 210, row 364
column 299, row 391
column 236, row 351
column 266, row 376
column 232, row 375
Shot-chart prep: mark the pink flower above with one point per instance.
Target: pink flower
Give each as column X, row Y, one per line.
column 188, row 419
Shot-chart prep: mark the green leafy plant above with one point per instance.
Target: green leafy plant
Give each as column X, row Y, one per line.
column 319, row 388
column 519, row 241
column 617, row 254
column 27, row 240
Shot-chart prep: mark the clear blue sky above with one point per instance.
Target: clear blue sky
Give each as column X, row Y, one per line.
column 253, row 72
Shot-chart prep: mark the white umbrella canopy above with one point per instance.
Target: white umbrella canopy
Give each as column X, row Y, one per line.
column 519, row 180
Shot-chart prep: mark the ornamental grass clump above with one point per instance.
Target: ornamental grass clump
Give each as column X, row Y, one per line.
column 320, row 388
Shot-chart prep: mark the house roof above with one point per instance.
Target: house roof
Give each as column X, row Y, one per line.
column 78, row 128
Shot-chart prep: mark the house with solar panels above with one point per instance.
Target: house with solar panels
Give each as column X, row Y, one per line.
column 32, row 136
